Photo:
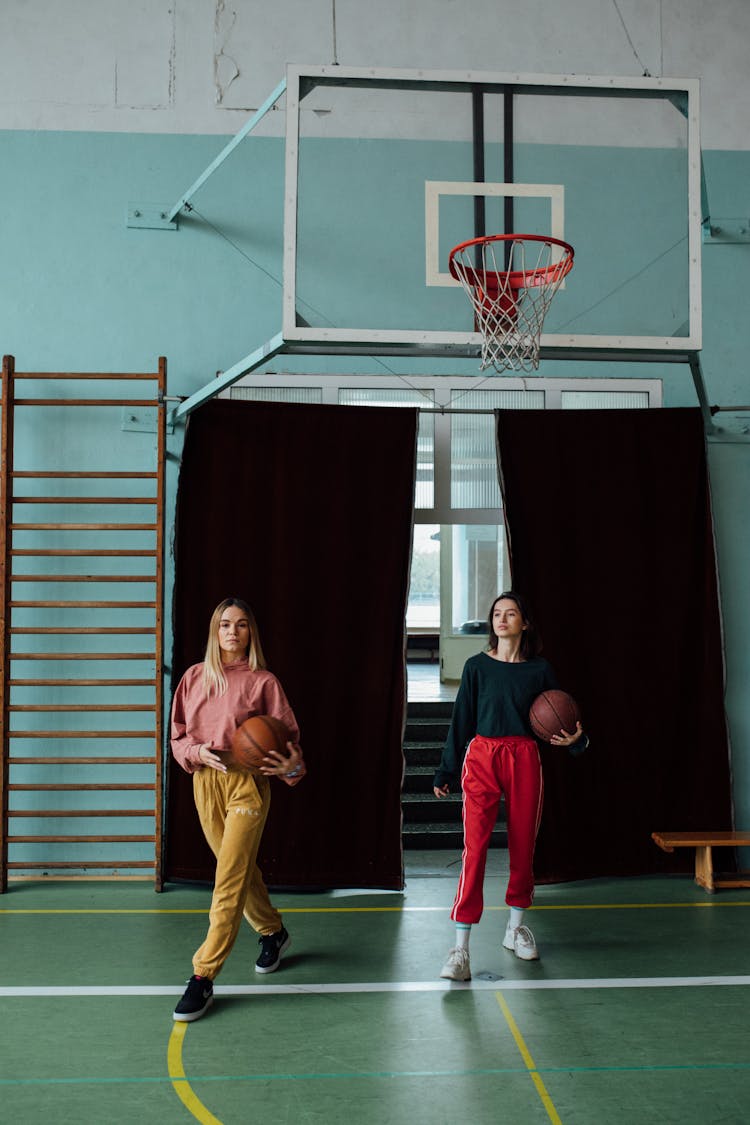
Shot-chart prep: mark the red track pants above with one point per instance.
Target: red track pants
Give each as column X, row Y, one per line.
column 493, row 767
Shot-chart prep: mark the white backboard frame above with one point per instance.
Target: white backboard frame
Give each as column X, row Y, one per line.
column 299, row 81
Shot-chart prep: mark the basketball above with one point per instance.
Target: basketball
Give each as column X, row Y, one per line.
column 552, row 712
column 254, row 738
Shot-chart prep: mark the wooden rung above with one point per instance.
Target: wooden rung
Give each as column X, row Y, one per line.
column 66, row 787
column 81, row 499
column 82, row 683
column 77, row 864
column 80, row 629
column 82, row 734
column 99, row 376
column 81, row 812
column 86, row 402
column 59, row 604
column 84, row 527
column 143, row 578
column 83, row 552
column 82, row 655
column 90, row 761
column 80, row 839
column 55, row 707
column 55, row 475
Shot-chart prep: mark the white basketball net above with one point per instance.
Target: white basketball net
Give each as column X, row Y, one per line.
column 510, row 283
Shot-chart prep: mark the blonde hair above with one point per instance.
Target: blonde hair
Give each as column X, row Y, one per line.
column 214, row 680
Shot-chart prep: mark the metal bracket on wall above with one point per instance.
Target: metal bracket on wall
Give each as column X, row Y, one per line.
column 150, row 216
column 720, row 231
column 726, row 231
column 142, row 419
column 733, row 424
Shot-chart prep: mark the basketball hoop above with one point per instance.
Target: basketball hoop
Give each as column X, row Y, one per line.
column 510, row 298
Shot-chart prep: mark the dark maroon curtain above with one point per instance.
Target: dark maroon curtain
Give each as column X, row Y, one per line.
column 306, row 512
column 611, row 539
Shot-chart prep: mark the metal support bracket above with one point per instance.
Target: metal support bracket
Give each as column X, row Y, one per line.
column 226, row 379
column 143, row 419
column 700, row 390
column 150, row 216
column 726, row 231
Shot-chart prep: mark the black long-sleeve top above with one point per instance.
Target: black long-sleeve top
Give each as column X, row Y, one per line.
column 493, row 700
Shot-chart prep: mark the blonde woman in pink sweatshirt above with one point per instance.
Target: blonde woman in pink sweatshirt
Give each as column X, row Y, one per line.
column 211, row 701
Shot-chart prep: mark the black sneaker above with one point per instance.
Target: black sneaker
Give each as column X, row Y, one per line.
column 272, row 946
column 196, row 1000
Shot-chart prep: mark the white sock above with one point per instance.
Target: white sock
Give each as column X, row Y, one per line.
column 463, row 933
column 516, row 918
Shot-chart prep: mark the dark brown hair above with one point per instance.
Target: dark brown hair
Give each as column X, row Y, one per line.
column 531, row 642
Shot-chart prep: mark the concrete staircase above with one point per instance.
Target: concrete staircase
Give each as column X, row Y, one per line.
column 429, row 823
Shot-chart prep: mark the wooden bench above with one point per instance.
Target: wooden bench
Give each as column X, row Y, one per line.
column 703, row 842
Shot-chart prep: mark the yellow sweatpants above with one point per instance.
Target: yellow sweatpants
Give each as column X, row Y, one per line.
column 233, row 807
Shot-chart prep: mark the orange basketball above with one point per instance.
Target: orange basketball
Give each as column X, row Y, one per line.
column 254, row 738
column 552, row 712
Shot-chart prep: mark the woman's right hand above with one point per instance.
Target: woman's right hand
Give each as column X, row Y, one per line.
column 441, row 791
column 210, row 759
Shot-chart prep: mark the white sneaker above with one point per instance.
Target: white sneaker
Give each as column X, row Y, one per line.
column 457, row 965
column 521, row 941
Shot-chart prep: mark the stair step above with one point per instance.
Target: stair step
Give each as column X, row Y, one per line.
column 430, row 710
column 426, row 730
column 418, row 779
column 428, row 823
column 433, row 836
column 423, row 807
column 423, row 754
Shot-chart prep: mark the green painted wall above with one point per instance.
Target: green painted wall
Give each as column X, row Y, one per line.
column 81, row 291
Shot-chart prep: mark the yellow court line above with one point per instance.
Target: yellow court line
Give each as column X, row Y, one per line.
column 392, row 909
column 105, row 910
column 541, row 1089
column 629, row 905
column 179, row 1080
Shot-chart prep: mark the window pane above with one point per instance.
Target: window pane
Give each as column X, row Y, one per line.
column 278, row 394
column 477, row 567
column 602, row 400
column 364, row 396
column 423, row 609
column 473, row 459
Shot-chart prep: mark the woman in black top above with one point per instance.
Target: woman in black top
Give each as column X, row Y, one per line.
column 490, row 752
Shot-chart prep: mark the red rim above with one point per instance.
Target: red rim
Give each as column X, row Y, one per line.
column 516, row 279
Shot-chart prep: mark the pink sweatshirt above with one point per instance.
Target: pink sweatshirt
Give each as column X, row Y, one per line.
column 198, row 721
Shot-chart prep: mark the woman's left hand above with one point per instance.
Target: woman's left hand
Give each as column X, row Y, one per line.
column 278, row 764
column 565, row 739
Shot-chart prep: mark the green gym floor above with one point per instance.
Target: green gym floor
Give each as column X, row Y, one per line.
column 637, row 1012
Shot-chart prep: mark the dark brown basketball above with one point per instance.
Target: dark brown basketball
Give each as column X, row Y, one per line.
column 254, row 738
column 553, row 712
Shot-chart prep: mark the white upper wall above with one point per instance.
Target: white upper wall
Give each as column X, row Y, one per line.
column 199, row 66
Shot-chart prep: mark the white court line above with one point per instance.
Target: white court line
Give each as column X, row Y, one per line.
column 477, row 985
